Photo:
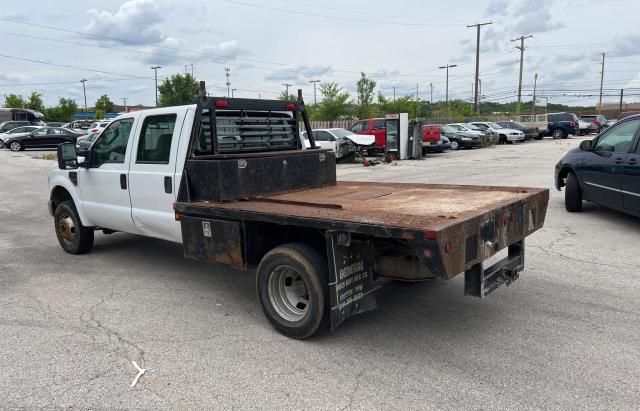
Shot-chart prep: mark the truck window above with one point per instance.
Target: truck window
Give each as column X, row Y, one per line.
column 378, row 124
column 111, row 146
column 154, row 145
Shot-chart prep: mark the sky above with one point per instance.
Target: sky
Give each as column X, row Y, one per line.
column 50, row 46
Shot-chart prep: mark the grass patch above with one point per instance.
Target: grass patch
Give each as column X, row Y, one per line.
column 51, row 156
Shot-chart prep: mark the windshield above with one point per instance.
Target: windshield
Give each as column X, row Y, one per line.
column 474, row 127
column 448, row 129
column 518, row 124
column 494, row 125
column 341, row 132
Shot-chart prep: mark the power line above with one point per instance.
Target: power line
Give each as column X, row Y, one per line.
column 67, row 66
column 334, row 17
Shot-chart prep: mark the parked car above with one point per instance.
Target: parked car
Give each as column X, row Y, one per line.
column 97, row 126
column 442, row 145
column 83, row 142
column 44, row 137
column 528, row 131
column 595, row 121
column 466, row 129
column 609, row 123
column 605, row 170
column 431, row 138
column 17, row 132
column 376, row 127
column 79, row 126
column 503, row 135
column 55, row 124
column 561, row 125
column 460, row 139
column 341, row 141
column 10, row 125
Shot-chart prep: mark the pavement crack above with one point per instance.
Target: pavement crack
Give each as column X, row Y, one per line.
column 356, row 387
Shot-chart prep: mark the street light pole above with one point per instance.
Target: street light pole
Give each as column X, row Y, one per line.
column 314, row 90
column 155, row 69
column 446, row 92
column 84, row 91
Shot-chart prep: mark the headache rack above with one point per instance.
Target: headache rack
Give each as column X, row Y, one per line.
column 226, row 126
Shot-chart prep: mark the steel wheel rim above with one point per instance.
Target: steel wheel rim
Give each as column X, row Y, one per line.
column 288, row 293
column 66, row 228
column 454, row 145
column 15, row 146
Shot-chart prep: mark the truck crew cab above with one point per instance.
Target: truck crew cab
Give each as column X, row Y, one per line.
column 232, row 182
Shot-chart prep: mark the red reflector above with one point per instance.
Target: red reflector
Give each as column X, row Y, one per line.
column 222, row 103
column 291, row 106
column 572, row 124
column 448, row 247
column 430, row 235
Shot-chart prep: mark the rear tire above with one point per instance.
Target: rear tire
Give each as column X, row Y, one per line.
column 73, row 237
column 572, row 194
column 292, row 284
column 558, row 133
column 502, row 139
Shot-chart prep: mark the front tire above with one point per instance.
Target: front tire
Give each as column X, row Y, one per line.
column 558, row 133
column 292, row 285
column 16, row 146
column 73, row 237
column 572, row 194
column 454, row 145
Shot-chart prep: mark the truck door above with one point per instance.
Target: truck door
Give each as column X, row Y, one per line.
column 104, row 187
column 152, row 174
column 631, row 182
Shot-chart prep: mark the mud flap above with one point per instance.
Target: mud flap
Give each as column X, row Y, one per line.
column 351, row 265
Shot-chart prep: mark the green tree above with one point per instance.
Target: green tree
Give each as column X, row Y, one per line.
column 34, row 102
column 63, row 111
column 104, row 104
column 14, row 101
column 177, row 90
column 99, row 114
column 335, row 102
column 402, row 105
column 287, row 97
column 366, row 87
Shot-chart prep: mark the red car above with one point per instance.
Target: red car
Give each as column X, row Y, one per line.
column 374, row 127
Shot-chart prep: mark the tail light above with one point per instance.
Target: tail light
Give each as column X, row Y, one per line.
column 290, row 106
column 572, row 124
column 221, row 103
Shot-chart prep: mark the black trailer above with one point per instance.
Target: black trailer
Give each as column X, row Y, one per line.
column 252, row 196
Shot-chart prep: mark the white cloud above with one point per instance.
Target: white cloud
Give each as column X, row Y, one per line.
column 626, row 46
column 133, row 21
column 298, row 73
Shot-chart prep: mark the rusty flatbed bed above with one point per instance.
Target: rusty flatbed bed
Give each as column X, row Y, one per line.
column 401, row 206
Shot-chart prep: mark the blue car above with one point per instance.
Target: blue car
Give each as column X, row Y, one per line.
column 605, row 170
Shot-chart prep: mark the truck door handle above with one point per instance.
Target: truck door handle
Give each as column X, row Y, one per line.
column 632, row 161
column 123, row 181
column 168, row 186
column 619, row 160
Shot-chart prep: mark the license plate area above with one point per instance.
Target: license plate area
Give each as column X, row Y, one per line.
column 480, row 282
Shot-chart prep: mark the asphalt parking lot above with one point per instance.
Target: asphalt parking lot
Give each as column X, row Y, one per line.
column 565, row 335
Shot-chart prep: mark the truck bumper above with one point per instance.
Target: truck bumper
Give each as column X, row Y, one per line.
column 480, row 282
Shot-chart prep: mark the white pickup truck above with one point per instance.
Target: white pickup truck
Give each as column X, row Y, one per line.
column 232, row 181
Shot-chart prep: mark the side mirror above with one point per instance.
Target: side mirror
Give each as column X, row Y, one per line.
column 67, row 156
column 585, row 145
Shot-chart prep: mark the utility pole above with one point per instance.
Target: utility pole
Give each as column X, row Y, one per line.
column 477, row 26
column 192, row 70
column 287, row 85
column 314, row 90
column 233, row 90
column 84, row 91
column 521, row 48
column 228, row 74
column 535, row 84
column 394, row 92
column 417, row 91
column 621, row 95
column 601, row 85
column 155, row 69
column 446, row 92
column 431, row 87
column 124, row 103
column 480, row 92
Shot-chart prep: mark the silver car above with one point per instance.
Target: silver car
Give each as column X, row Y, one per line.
column 17, row 132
